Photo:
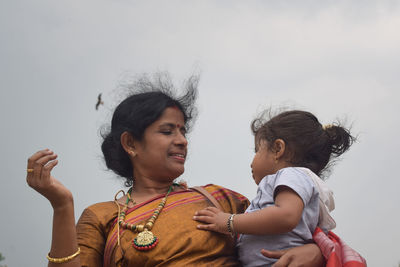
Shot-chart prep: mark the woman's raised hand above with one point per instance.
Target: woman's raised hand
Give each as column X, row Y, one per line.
column 39, row 178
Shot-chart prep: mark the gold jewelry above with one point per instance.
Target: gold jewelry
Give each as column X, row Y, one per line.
column 29, row 170
column 327, row 126
column 119, row 208
column 145, row 240
column 64, row 259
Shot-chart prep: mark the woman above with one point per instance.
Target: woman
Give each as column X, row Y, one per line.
column 152, row 224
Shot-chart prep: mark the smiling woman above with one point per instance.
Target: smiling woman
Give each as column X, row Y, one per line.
column 164, row 142
column 152, row 224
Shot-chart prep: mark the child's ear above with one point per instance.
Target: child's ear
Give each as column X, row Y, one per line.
column 128, row 143
column 279, row 148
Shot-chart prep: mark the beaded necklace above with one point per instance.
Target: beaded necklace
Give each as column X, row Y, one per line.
column 145, row 240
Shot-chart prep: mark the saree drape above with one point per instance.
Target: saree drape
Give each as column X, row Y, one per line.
column 180, row 243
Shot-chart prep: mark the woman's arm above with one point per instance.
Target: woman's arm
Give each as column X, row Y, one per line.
column 64, row 242
column 279, row 218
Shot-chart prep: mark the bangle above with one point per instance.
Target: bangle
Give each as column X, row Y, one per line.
column 229, row 224
column 65, row 259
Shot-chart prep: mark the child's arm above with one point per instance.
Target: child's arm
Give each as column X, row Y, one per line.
column 279, row 218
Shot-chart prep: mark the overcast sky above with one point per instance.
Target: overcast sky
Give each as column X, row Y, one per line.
column 337, row 59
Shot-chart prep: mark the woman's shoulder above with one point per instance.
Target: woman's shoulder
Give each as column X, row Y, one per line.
column 100, row 213
column 217, row 189
column 230, row 200
column 98, row 207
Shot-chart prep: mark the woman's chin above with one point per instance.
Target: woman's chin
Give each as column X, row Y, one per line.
column 178, row 172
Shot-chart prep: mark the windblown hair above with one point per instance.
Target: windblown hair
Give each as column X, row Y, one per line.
column 148, row 99
column 308, row 143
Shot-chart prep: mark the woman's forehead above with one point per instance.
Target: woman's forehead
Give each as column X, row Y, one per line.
column 170, row 117
column 172, row 113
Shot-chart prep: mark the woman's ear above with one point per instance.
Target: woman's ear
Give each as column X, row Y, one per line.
column 279, row 148
column 128, row 143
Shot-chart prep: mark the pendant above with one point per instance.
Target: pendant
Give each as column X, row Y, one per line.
column 145, row 241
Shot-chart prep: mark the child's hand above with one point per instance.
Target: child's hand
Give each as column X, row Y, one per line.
column 214, row 219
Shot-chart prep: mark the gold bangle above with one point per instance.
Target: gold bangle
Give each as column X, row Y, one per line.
column 231, row 229
column 65, row 259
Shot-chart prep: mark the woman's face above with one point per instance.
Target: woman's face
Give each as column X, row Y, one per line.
column 161, row 154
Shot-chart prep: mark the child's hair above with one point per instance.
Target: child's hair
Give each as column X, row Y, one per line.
column 308, row 143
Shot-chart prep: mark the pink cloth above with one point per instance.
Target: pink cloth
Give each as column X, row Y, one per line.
column 336, row 252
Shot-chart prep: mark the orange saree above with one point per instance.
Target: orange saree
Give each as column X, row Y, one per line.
column 180, row 243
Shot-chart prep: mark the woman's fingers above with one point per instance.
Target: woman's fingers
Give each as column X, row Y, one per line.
column 36, row 156
column 40, row 179
column 48, row 168
column 275, row 254
column 284, row 262
column 40, row 166
column 33, row 165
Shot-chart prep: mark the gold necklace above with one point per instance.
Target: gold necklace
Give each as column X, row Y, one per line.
column 145, row 240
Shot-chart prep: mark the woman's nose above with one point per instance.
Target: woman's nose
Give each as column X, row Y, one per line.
column 181, row 139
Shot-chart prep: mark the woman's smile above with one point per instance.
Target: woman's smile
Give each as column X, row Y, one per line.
column 178, row 156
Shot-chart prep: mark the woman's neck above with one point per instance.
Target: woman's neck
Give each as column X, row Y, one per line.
column 149, row 186
column 142, row 192
column 150, row 189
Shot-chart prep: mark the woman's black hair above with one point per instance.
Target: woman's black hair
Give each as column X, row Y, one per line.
column 150, row 97
column 308, row 143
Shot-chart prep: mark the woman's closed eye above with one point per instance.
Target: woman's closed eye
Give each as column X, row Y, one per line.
column 166, row 132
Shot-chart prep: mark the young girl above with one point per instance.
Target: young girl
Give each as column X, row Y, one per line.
column 292, row 149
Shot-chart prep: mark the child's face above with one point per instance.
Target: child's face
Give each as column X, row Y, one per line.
column 264, row 162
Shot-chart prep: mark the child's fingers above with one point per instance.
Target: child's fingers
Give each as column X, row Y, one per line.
column 204, row 213
column 213, row 209
column 203, row 219
column 208, row 227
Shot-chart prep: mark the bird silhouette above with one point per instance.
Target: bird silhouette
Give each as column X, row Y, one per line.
column 99, row 102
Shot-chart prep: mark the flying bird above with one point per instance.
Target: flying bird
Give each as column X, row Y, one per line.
column 99, row 102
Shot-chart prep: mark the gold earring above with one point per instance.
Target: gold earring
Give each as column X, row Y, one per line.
column 132, row 153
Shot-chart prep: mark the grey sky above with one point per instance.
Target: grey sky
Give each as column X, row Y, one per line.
column 333, row 58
